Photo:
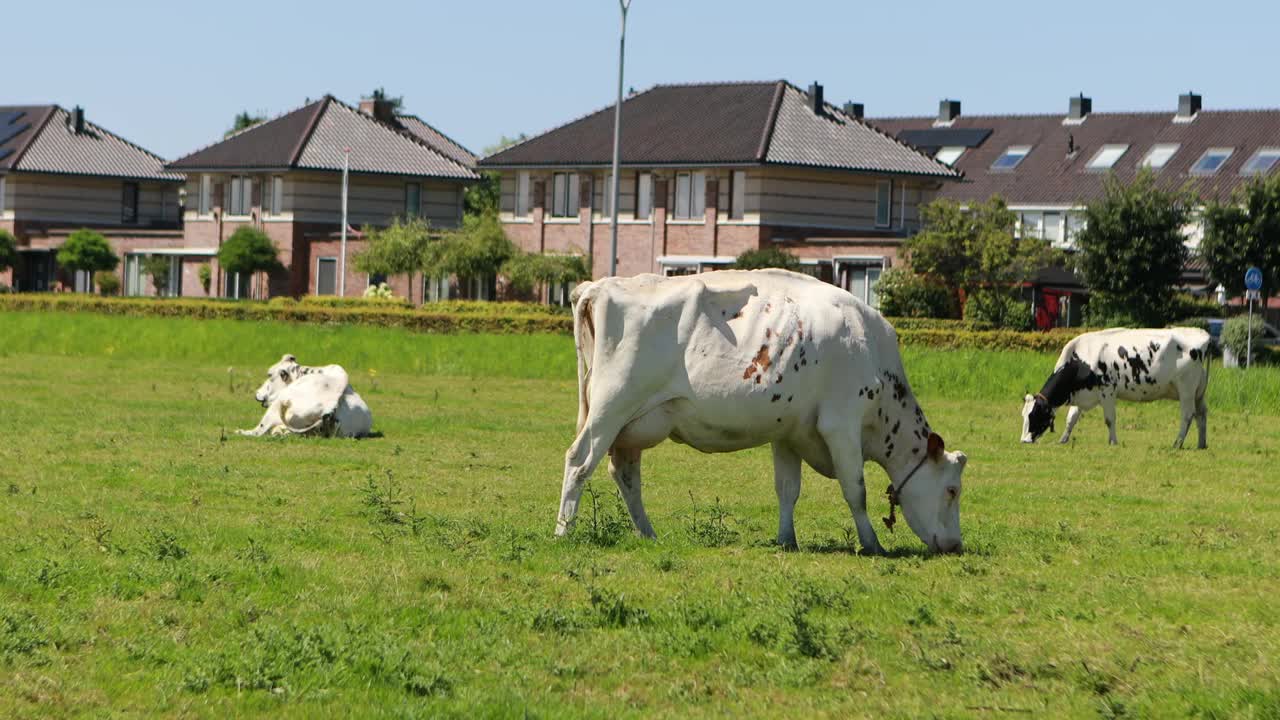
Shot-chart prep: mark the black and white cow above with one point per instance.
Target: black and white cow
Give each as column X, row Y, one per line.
column 1098, row 368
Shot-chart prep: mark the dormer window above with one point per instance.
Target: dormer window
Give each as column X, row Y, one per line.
column 949, row 155
column 1211, row 161
column 1010, row 158
column 1159, row 155
column 1261, row 162
column 1105, row 158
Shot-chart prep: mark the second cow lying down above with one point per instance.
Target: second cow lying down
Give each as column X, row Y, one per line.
column 304, row 400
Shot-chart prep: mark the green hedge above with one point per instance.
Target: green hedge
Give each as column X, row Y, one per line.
column 481, row 317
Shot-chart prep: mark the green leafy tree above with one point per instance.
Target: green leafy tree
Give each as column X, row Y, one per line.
column 88, row 251
column 157, row 266
column 907, row 294
column 536, row 271
column 1242, row 233
column 249, row 250
column 1132, row 249
column 8, row 250
column 380, row 94
column 205, row 273
column 243, row 121
column 477, row 250
column 770, row 257
column 485, row 196
column 395, row 250
column 975, row 249
column 108, row 282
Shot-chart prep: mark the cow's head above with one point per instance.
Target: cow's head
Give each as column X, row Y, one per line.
column 1037, row 417
column 278, row 378
column 931, row 497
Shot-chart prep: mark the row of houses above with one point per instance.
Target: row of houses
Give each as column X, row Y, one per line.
column 707, row 171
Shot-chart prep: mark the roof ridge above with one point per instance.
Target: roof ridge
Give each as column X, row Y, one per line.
column 566, row 124
column 243, row 131
column 305, row 137
column 388, row 127
column 38, row 129
column 440, row 132
column 775, row 106
column 1051, row 115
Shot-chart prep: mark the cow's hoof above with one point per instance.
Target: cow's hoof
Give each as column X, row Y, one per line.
column 788, row 546
column 1064, row 441
column 873, row 551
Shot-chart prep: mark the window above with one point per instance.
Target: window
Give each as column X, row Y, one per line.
column 275, row 202
column 143, row 283
column 1261, row 162
column 607, row 206
column 1010, row 158
column 949, row 155
column 133, row 277
column 83, row 281
column 1075, row 223
column 738, row 195
column 1053, row 227
column 240, row 195
column 522, row 195
column 1158, row 156
column 860, row 277
column 564, row 195
column 644, row 196
column 327, row 276
column 1032, row 225
column 206, row 195
column 237, row 285
column 412, row 199
column 680, row 270
column 2, row 195
column 129, row 202
column 1211, row 161
column 1106, row 157
column 376, row 279
column 436, row 288
column 884, row 203
column 691, row 196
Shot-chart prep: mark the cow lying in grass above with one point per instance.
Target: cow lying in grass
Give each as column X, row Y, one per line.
column 1098, row 368
column 730, row 360
column 306, row 400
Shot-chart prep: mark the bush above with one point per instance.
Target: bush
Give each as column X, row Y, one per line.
column 906, row 294
column 8, row 249
column 1235, row 336
column 88, row 251
column 333, row 301
column 205, row 273
column 381, row 291
column 999, row 309
column 248, row 250
column 108, row 283
column 1103, row 311
column 1185, row 306
column 770, row 257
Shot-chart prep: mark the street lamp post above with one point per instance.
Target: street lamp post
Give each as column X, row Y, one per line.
column 617, row 134
column 342, row 253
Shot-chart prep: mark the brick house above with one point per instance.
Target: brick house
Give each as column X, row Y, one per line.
column 284, row 177
column 712, row 170
column 1048, row 166
column 59, row 173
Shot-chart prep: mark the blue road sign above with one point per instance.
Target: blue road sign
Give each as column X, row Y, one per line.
column 1253, row 279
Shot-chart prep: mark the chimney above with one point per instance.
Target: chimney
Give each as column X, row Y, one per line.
column 948, row 110
column 75, row 123
column 853, row 109
column 1188, row 106
column 379, row 110
column 1079, row 107
column 815, row 99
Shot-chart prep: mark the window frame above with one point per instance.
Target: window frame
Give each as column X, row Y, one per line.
column 320, row 262
column 240, row 195
column 205, row 201
column 1022, row 151
column 1146, row 161
column 521, row 207
column 957, row 149
column 606, row 204
column 1226, row 153
column 412, row 199
column 1095, row 162
column 128, row 206
column 644, row 196
column 694, row 195
column 1273, row 152
column 887, row 199
column 566, row 192
column 276, row 195
column 738, row 195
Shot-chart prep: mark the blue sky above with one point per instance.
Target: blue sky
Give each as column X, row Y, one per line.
column 170, row 76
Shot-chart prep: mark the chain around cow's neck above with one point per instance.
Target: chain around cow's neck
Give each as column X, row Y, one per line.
column 894, row 493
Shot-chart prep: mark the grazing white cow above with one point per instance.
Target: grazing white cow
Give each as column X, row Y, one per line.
column 1143, row 365
column 310, row 400
column 730, row 360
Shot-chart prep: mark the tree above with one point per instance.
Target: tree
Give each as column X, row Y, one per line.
column 530, row 271
column 484, row 197
column 475, row 251
column 976, row 249
column 1242, row 233
column 906, row 294
column 380, row 95
column 249, row 250
column 770, row 257
column 87, row 251
column 8, row 250
column 1132, row 250
column 157, row 266
column 244, row 120
column 108, row 282
column 205, row 273
column 395, row 250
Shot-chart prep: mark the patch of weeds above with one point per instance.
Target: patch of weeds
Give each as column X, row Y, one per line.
column 49, row 573
column 254, row 554
column 764, row 633
column 1000, row 671
column 382, row 501
column 556, row 621
column 602, row 526
column 14, row 489
column 101, row 535
column 708, row 525
column 22, row 635
column 161, row 544
column 666, row 563
column 613, row 609
column 922, row 617
column 514, row 546
column 431, row 583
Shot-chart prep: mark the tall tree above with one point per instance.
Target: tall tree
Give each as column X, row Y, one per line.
column 530, row 271
column 1132, row 250
column 243, row 121
column 1244, row 232
column 87, row 251
column 477, row 250
column 484, row 197
column 249, row 250
column 395, row 250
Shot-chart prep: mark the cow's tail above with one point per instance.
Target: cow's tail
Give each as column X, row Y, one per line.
column 1204, row 349
column 584, row 338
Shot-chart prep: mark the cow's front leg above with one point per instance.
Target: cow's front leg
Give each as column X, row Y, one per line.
column 1109, row 416
column 786, row 479
column 624, row 466
column 586, row 452
column 846, row 454
column 269, row 421
column 1073, row 417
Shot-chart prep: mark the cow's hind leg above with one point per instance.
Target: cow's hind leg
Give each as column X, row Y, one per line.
column 1109, row 416
column 624, row 466
column 1202, row 422
column 786, row 479
column 586, row 452
column 846, row 454
column 1187, row 401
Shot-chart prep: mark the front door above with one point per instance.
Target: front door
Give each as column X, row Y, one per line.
column 37, row 271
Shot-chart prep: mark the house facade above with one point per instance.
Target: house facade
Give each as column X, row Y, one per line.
column 60, row 173
column 284, row 177
column 1047, row 167
column 709, row 171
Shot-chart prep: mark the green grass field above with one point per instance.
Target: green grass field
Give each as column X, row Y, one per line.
column 152, row 563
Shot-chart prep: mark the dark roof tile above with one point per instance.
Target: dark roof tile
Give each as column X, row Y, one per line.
column 44, row 143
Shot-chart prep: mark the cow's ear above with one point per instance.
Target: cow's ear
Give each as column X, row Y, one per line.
column 936, row 446
column 288, row 358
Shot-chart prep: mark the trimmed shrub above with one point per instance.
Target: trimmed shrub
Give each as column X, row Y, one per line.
column 1105, row 312
column 205, row 273
column 1235, row 336
column 906, row 294
column 999, row 309
column 108, row 282
column 770, row 257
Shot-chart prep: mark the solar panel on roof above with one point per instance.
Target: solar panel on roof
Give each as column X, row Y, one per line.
column 5, row 152
column 945, row 137
column 9, row 125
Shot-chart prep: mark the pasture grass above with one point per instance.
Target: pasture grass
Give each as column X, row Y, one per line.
column 152, row 563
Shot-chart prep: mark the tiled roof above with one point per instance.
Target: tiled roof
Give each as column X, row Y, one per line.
column 1048, row 175
column 720, row 123
column 39, row 139
column 314, row 136
column 438, row 140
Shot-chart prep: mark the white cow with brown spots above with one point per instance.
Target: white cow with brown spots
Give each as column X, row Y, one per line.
column 730, row 360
